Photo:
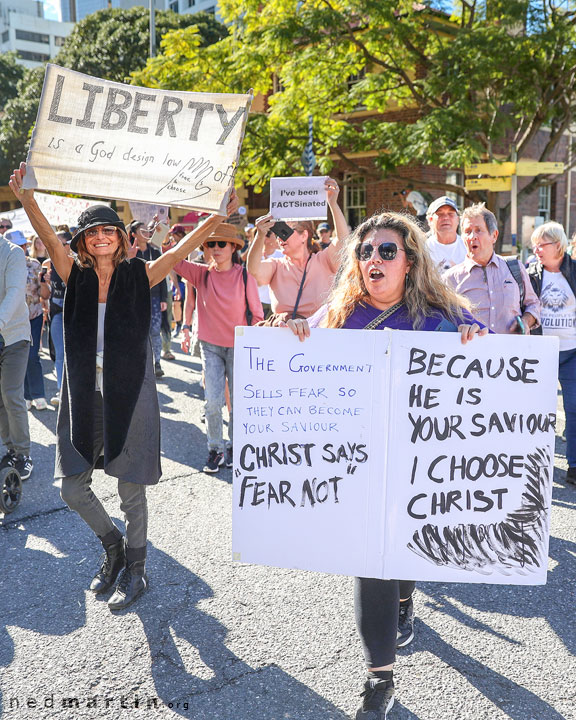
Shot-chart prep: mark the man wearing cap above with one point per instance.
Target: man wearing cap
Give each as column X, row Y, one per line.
column 444, row 244
column 14, row 348
column 324, row 233
column 500, row 292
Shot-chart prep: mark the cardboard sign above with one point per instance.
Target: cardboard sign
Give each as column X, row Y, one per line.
column 95, row 137
column 298, row 198
column 395, row 454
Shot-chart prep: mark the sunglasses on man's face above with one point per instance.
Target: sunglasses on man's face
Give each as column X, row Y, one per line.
column 5, row 227
column 213, row 243
column 386, row 250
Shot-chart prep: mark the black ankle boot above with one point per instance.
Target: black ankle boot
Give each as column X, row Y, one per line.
column 132, row 582
column 113, row 560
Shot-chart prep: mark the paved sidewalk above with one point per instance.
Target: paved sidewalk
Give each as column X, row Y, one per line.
column 215, row 640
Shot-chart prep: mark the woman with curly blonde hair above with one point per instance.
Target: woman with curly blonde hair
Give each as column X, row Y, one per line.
column 388, row 280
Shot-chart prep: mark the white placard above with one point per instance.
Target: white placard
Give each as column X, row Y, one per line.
column 298, row 198
column 99, row 138
column 145, row 212
column 58, row 210
column 395, row 454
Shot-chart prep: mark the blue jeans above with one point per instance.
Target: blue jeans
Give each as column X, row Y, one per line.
column 218, row 363
column 34, row 380
column 155, row 326
column 57, row 335
column 567, row 377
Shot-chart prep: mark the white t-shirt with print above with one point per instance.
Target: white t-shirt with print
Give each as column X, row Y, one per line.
column 446, row 256
column 558, row 309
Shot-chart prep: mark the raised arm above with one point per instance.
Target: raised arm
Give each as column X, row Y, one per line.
column 61, row 261
column 159, row 268
column 263, row 272
column 340, row 224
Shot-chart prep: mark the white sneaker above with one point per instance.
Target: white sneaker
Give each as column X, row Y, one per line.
column 40, row 404
column 28, row 404
column 55, row 400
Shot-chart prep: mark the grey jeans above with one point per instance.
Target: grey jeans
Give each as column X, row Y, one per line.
column 14, row 429
column 218, row 363
column 78, row 495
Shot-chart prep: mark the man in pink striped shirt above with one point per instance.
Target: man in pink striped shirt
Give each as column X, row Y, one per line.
column 487, row 281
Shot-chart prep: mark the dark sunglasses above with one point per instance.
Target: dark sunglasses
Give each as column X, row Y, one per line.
column 213, row 243
column 5, row 227
column 386, row 250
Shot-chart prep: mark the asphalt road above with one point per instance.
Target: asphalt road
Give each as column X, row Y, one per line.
column 216, row 640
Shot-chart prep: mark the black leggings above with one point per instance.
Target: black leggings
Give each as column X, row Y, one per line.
column 376, row 605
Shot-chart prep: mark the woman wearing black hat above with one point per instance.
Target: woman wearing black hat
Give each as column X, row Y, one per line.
column 109, row 414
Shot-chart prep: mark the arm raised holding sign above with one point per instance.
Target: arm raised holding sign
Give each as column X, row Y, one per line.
column 305, row 273
column 388, row 281
column 109, row 404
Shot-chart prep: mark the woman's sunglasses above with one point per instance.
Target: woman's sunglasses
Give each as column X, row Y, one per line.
column 213, row 243
column 386, row 250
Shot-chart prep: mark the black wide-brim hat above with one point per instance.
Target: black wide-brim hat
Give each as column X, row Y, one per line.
column 92, row 217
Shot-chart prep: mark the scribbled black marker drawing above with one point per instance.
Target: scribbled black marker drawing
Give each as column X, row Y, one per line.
column 515, row 545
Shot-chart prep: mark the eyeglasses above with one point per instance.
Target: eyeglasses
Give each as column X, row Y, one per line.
column 386, row 250
column 5, row 227
column 543, row 245
column 213, row 243
column 108, row 231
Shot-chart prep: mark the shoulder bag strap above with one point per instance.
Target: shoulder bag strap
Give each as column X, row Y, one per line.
column 373, row 324
column 249, row 313
column 300, row 289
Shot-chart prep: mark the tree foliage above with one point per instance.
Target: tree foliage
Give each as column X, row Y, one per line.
column 10, row 73
column 109, row 44
column 401, row 77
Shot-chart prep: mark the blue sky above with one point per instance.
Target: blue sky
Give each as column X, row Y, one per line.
column 52, row 9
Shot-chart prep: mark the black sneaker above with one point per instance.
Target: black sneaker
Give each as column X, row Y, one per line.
column 229, row 457
column 23, row 464
column 378, row 699
column 571, row 476
column 158, row 370
column 214, row 462
column 7, row 459
column 405, row 633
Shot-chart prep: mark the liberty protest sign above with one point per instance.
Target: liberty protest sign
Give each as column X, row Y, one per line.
column 99, row 138
column 395, row 454
column 298, row 198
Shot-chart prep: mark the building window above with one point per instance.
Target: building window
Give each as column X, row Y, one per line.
column 455, row 177
column 173, row 5
column 277, row 84
column 59, row 40
column 32, row 37
column 355, row 199
column 34, row 56
column 544, row 201
column 191, row 3
column 6, row 36
column 211, row 9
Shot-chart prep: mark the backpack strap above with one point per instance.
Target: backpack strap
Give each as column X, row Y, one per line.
column 514, row 267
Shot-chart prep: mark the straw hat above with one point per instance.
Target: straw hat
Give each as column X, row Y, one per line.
column 227, row 232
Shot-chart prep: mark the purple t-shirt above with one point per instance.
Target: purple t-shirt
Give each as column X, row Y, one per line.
column 399, row 320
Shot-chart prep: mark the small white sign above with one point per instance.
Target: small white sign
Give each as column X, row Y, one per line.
column 298, row 198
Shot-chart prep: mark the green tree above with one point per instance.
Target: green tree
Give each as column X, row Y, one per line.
column 432, row 89
column 10, row 73
column 109, row 44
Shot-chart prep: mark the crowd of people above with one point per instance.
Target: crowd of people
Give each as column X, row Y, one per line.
column 112, row 300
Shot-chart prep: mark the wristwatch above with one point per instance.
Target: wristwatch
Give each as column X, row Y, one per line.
column 185, row 327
